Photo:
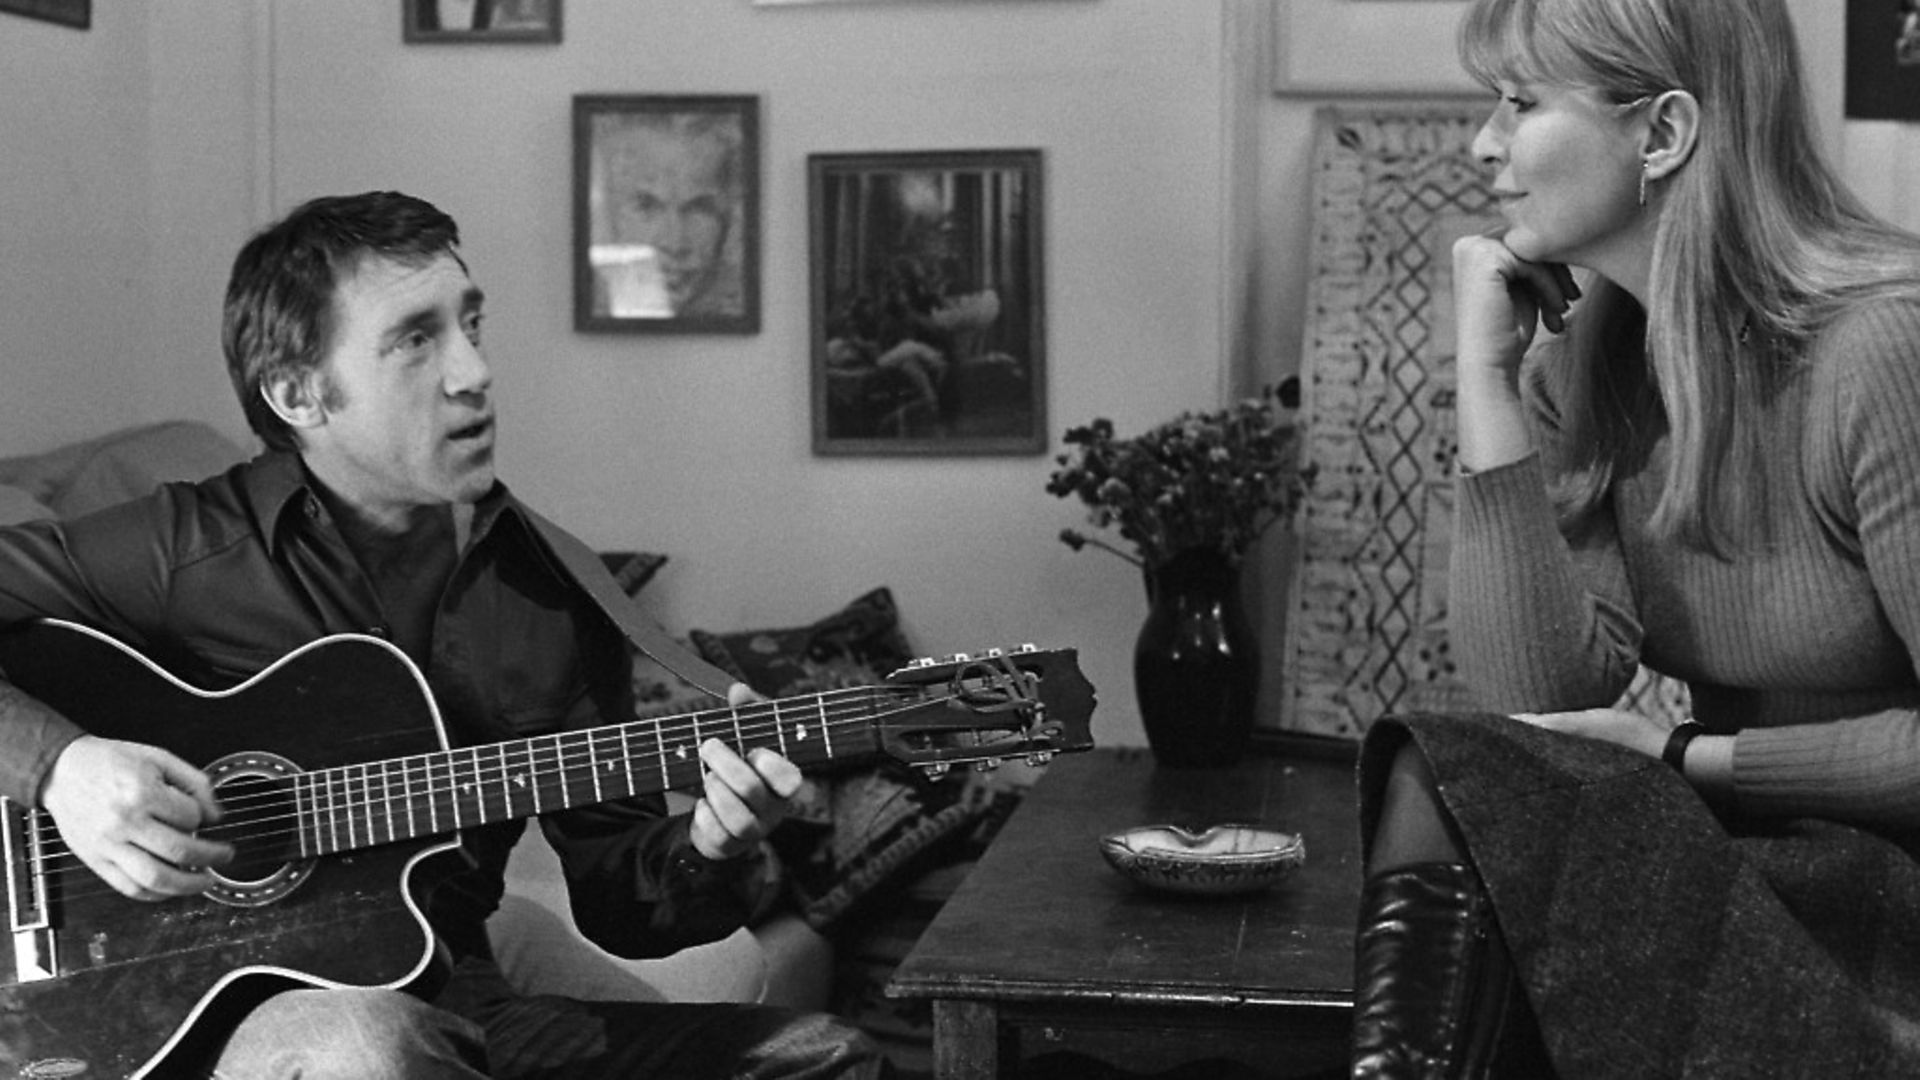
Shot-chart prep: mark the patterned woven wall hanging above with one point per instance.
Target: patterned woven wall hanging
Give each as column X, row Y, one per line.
column 1393, row 187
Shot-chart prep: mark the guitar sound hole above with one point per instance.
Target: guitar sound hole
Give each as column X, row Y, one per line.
column 260, row 817
column 261, row 823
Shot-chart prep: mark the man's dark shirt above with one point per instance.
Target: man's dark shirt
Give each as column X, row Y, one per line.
column 215, row 581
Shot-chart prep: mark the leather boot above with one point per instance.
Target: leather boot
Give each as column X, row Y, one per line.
column 1435, row 997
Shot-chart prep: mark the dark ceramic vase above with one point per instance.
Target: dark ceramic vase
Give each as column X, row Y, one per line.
column 1194, row 667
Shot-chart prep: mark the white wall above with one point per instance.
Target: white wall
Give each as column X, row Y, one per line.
column 73, row 179
column 125, row 187
column 207, row 134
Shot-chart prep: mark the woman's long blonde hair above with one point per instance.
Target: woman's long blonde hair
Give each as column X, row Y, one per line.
column 1758, row 246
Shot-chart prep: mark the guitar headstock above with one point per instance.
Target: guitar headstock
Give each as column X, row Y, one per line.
column 1024, row 703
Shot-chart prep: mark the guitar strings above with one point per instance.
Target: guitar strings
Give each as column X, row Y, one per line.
column 447, row 765
column 554, row 758
column 745, row 721
column 57, row 858
column 758, row 723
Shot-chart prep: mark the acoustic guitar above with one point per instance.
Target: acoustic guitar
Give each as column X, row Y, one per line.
column 337, row 782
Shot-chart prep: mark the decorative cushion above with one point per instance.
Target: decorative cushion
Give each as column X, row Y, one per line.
column 856, row 840
column 855, row 835
column 855, row 646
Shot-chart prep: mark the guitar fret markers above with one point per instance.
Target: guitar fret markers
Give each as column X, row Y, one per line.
column 343, row 808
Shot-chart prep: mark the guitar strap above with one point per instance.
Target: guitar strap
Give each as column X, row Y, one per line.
column 584, row 564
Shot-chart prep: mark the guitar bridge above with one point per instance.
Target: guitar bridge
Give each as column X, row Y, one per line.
column 34, row 956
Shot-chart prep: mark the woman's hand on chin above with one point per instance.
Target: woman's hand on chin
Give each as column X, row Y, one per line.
column 1501, row 300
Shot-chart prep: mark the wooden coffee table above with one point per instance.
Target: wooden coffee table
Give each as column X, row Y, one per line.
column 1046, row 948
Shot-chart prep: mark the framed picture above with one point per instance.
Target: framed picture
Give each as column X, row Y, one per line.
column 928, row 329
column 426, row 21
column 1363, row 48
column 1883, row 60
column 666, row 214
column 77, row 13
column 791, row 3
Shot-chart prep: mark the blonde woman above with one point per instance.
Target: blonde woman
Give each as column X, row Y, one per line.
column 1689, row 437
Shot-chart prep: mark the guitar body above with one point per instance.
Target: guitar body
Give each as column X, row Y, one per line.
column 123, row 986
column 336, row 783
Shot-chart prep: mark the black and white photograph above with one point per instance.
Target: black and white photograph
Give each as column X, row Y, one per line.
column 666, row 212
column 928, row 336
column 429, row 21
column 1883, row 60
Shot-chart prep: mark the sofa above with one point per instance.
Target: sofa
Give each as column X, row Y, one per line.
column 866, row 858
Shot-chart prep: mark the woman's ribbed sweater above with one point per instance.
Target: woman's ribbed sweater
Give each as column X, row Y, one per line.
column 1809, row 647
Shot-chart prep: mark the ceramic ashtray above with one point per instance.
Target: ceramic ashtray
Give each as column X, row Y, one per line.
column 1223, row 860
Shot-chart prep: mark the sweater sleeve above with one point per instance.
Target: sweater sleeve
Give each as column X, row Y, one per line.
column 1541, row 621
column 1862, row 458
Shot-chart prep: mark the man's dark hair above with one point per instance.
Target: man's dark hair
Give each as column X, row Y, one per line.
column 279, row 307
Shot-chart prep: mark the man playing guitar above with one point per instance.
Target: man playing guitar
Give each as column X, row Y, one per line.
column 352, row 336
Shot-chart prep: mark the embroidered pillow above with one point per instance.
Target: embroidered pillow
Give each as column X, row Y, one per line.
column 865, row 831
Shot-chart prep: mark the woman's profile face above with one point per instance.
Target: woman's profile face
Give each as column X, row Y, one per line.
column 1566, row 171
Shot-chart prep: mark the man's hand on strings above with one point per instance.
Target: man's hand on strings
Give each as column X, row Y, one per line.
column 130, row 811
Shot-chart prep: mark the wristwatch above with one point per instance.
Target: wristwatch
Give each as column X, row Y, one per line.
column 1675, row 753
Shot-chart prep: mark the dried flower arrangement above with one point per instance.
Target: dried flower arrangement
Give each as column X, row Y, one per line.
column 1201, row 480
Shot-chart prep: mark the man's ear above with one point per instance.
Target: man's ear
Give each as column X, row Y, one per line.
column 1673, row 128
column 295, row 399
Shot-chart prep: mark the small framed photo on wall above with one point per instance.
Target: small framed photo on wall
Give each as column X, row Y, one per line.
column 75, row 13
column 928, row 329
column 1883, row 60
column 666, row 213
column 468, row 21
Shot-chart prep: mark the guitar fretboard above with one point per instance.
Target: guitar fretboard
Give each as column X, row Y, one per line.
column 379, row 802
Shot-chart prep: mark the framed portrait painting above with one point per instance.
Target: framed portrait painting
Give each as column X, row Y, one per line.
column 666, row 213
column 928, row 329
column 1883, row 60
column 500, row 21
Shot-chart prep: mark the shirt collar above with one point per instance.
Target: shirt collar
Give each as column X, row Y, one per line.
column 283, row 491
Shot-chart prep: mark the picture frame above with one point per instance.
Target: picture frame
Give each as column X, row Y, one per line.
column 666, row 213
column 426, row 22
column 928, row 329
column 1368, row 48
column 75, row 13
column 816, row 3
column 1883, row 60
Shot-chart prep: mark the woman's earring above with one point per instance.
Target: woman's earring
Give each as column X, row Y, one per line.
column 1644, row 162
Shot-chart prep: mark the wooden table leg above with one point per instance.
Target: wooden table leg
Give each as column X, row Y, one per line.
column 966, row 1040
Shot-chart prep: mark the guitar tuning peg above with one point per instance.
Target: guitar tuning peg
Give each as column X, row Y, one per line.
column 1039, row 757
column 987, row 765
column 996, row 652
column 958, row 658
column 1028, row 646
column 920, row 662
column 936, row 770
